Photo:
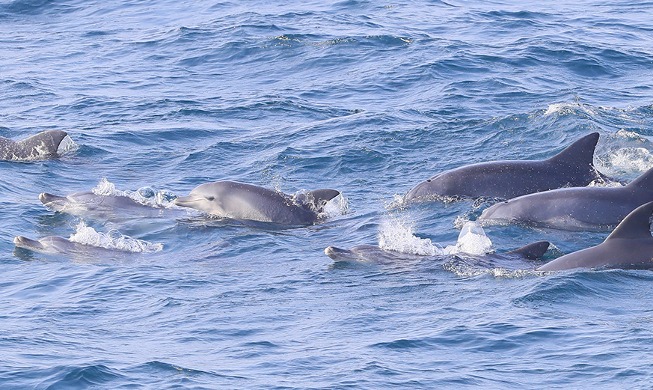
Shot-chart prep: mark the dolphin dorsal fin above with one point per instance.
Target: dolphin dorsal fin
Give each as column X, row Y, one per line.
column 316, row 199
column 579, row 153
column 635, row 225
column 644, row 181
column 532, row 251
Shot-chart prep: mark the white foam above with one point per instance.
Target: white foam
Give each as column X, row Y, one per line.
column 113, row 240
column 472, row 240
column 145, row 195
column 398, row 236
column 568, row 108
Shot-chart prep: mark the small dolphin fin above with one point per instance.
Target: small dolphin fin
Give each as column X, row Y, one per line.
column 24, row 242
column 316, row 199
column 579, row 153
column 644, row 181
column 532, row 251
column 46, row 198
column 635, row 225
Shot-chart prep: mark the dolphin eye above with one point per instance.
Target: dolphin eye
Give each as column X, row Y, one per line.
column 210, row 198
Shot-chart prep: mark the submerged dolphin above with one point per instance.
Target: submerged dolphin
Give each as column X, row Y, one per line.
column 242, row 201
column 46, row 144
column 629, row 246
column 595, row 208
column 508, row 179
column 88, row 203
column 374, row 253
column 58, row 245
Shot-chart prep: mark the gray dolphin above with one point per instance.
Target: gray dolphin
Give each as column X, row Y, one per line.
column 46, row 144
column 373, row 253
column 577, row 208
column 508, row 179
column 242, row 201
column 100, row 206
column 629, row 246
column 58, row 245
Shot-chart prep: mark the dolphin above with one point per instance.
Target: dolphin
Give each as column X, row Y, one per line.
column 241, row 201
column 373, row 253
column 58, row 245
column 629, row 246
column 576, row 208
column 508, row 179
column 46, row 144
column 87, row 203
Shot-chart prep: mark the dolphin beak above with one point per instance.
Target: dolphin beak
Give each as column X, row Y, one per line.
column 186, row 201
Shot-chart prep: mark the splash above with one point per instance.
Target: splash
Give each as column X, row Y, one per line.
column 86, row 235
column 472, row 240
column 335, row 207
column 145, row 195
column 396, row 235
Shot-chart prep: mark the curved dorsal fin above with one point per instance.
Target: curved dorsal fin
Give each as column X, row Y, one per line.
column 579, row 153
column 532, row 251
column 636, row 224
column 644, row 181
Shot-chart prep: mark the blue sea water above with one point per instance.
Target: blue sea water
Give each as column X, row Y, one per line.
column 366, row 97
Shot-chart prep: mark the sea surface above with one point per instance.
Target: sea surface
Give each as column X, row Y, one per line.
column 367, row 97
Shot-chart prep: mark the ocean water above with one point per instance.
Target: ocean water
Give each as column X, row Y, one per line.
column 366, row 97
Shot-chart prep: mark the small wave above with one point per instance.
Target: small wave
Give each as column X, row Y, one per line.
column 86, row 235
column 145, row 195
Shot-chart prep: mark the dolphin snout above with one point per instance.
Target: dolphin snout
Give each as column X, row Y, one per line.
column 186, row 201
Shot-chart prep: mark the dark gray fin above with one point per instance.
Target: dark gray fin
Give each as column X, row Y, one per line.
column 580, row 153
column 318, row 198
column 635, row 225
column 49, row 138
column 46, row 198
column 532, row 251
column 644, row 181
column 26, row 243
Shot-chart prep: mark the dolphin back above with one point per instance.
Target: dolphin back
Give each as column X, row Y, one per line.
column 580, row 153
column 533, row 251
column 636, row 225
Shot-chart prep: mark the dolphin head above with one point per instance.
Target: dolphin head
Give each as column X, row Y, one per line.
column 422, row 191
column 205, row 197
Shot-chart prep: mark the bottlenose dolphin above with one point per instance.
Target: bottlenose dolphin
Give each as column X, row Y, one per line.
column 373, row 253
column 46, row 144
column 629, row 246
column 240, row 201
column 59, row 245
column 508, row 179
column 87, row 203
column 577, row 208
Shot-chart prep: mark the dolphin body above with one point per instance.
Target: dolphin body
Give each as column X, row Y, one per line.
column 100, row 206
column 241, row 201
column 571, row 167
column 60, row 245
column 629, row 246
column 577, row 208
column 46, row 144
column 373, row 253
